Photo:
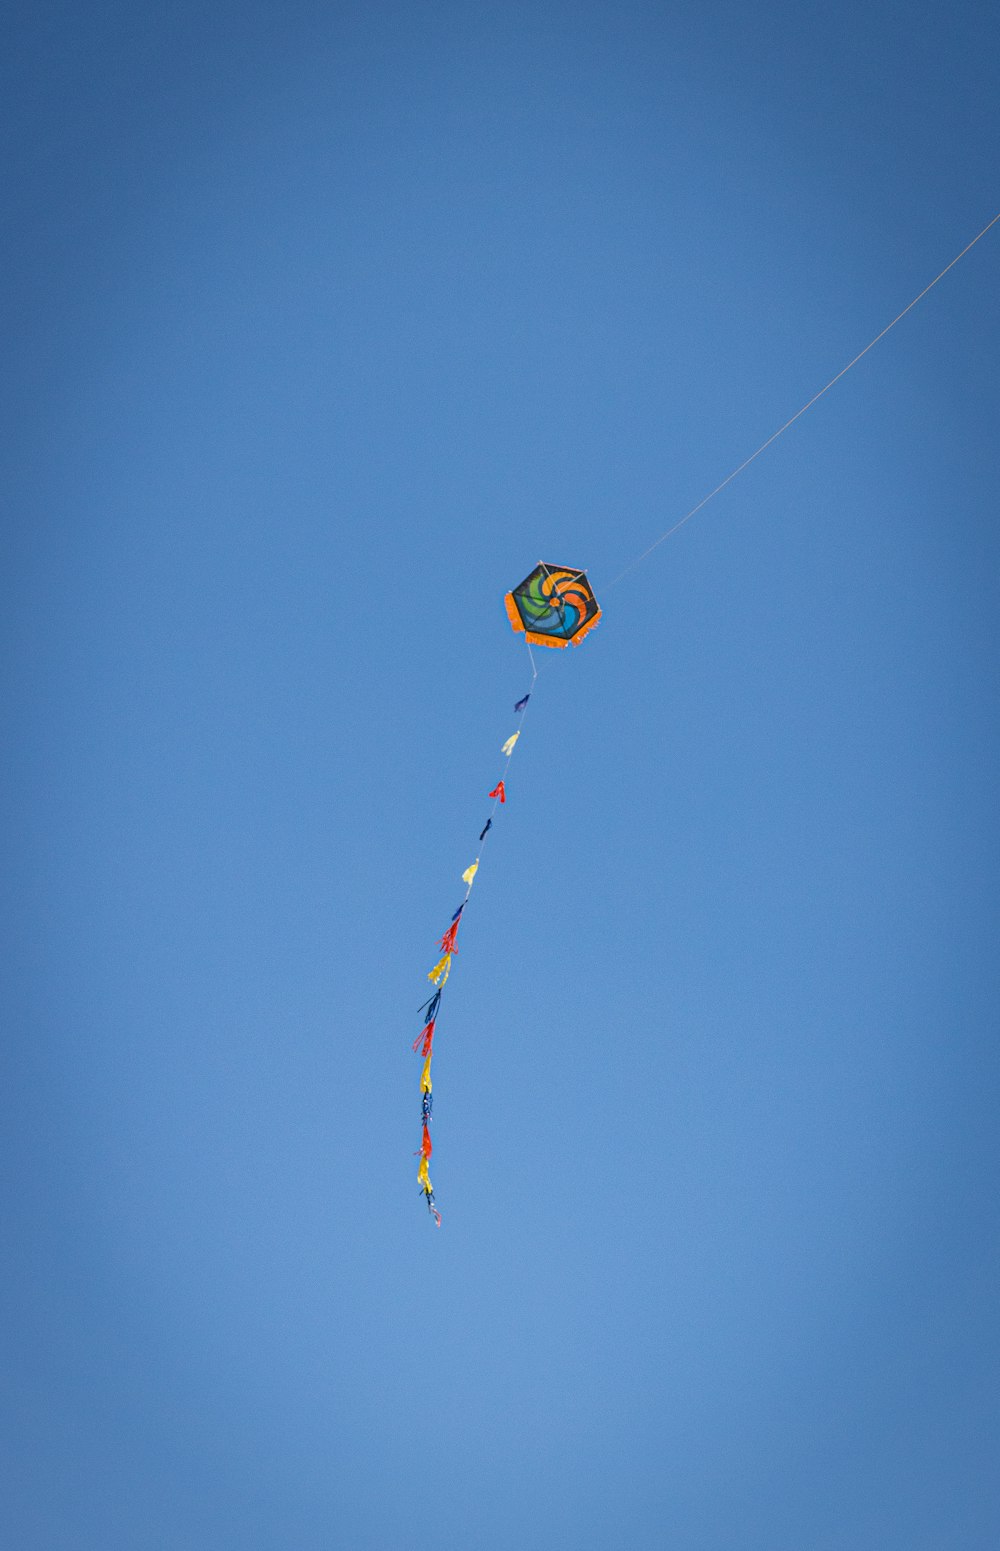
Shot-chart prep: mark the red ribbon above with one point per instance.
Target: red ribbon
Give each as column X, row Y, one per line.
column 448, row 940
column 427, row 1035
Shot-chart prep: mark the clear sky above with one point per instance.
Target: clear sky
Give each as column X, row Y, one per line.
column 323, row 323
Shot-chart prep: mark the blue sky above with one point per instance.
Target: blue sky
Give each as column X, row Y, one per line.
column 324, row 324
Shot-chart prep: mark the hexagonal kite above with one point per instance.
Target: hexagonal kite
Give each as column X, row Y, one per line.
column 553, row 606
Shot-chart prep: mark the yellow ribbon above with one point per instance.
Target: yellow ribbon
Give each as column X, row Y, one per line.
column 425, row 1077
column 423, row 1176
column 439, row 974
column 508, row 747
column 470, row 872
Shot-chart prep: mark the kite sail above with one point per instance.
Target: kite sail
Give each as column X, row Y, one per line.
column 553, row 606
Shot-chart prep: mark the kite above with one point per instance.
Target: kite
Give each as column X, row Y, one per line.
column 553, row 606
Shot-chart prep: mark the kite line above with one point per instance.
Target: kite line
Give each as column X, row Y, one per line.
column 799, row 412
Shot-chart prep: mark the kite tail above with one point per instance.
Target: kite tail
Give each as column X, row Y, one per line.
column 423, row 1045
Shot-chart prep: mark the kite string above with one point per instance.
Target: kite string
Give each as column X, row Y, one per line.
column 800, row 412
